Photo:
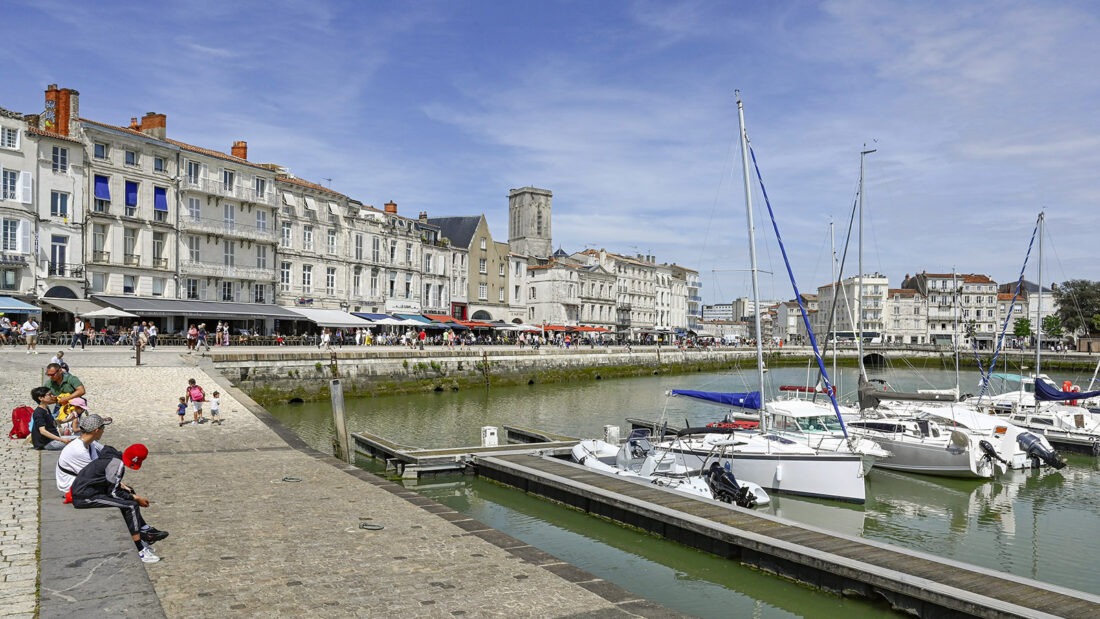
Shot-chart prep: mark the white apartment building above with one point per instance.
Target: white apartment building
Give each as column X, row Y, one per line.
column 131, row 242
column 906, row 317
column 662, row 297
column 973, row 297
column 851, row 306
column 693, row 294
column 565, row 293
column 718, row 311
column 227, row 224
column 635, row 284
column 18, row 164
column 59, row 199
column 313, row 244
column 517, row 283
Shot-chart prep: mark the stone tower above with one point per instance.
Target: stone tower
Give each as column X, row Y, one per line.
column 529, row 222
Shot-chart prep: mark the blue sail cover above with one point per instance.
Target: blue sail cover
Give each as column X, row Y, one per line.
column 741, row 400
column 1046, row 392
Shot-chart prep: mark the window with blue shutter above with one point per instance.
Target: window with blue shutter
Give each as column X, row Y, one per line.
column 131, row 193
column 102, row 188
column 160, row 199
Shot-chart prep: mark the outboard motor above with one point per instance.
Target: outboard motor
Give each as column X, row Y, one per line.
column 990, row 452
column 725, row 488
column 1033, row 446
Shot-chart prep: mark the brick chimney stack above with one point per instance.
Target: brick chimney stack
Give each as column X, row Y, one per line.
column 154, row 125
column 424, row 217
column 134, row 124
column 391, row 207
column 240, row 149
column 62, row 105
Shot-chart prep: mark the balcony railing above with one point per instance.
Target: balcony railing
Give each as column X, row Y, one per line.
column 131, row 259
column 212, row 269
column 56, row 269
column 228, row 228
column 101, row 256
column 237, row 191
column 160, row 263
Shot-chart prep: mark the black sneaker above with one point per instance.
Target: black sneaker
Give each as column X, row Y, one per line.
column 152, row 536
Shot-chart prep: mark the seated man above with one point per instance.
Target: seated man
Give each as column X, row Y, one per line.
column 81, row 452
column 99, row 484
column 44, row 433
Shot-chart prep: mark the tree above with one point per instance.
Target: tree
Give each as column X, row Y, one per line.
column 1052, row 326
column 1077, row 300
column 1022, row 327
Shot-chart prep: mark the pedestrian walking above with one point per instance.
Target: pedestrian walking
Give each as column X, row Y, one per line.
column 181, row 410
column 196, row 396
column 152, row 333
column 78, row 334
column 216, row 409
column 30, row 332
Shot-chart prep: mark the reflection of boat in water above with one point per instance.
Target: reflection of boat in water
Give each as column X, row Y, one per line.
column 637, row 459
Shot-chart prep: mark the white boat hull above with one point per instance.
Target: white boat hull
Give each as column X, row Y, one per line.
column 825, row 476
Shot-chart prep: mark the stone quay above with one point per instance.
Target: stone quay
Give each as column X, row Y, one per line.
column 260, row 523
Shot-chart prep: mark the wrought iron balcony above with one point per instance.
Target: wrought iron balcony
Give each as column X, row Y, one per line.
column 131, row 259
column 227, row 228
column 160, row 263
column 102, row 257
column 236, row 190
column 63, row 270
column 218, row 270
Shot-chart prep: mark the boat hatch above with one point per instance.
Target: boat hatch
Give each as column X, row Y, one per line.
column 1000, row 430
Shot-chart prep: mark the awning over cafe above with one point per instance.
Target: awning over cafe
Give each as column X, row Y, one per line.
column 146, row 307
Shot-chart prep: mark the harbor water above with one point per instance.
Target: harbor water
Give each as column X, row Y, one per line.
column 1034, row 523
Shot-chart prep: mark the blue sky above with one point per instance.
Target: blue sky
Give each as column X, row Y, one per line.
column 982, row 113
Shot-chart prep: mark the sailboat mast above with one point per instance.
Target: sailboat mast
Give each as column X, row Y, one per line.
column 1039, row 306
column 859, row 294
column 752, row 256
column 832, row 274
column 955, row 305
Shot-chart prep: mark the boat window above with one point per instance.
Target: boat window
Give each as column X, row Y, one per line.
column 1029, row 387
column 821, row 423
column 1042, row 422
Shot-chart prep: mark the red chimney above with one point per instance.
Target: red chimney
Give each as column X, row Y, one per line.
column 240, row 149
column 154, row 125
column 134, row 124
column 61, row 106
column 391, row 207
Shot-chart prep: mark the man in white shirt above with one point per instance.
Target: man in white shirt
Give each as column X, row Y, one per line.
column 30, row 331
column 78, row 334
column 5, row 328
column 77, row 454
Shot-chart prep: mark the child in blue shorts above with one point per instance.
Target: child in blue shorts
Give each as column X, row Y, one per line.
column 181, row 410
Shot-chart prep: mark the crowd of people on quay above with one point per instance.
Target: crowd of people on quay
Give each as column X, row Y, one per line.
column 89, row 473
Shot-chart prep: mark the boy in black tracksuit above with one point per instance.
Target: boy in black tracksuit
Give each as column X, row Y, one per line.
column 99, row 484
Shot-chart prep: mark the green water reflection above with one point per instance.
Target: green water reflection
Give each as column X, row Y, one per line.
column 1037, row 524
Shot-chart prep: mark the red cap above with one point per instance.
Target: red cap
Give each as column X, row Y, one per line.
column 134, row 455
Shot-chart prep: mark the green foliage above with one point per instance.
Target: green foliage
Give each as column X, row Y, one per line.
column 1076, row 300
column 1022, row 327
column 1096, row 323
column 318, row 366
column 1052, row 326
column 405, row 364
column 971, row 328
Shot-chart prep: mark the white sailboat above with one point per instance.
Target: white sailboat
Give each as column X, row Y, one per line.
column 1039, row 405
column 775, row 462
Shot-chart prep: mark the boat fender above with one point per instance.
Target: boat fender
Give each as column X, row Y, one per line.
column 1033, row 446
column 779, row 472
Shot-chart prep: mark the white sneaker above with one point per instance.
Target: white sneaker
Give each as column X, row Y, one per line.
column 147, row 555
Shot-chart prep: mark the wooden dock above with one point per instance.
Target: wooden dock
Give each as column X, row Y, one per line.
column 414, row 462
column 909, row 580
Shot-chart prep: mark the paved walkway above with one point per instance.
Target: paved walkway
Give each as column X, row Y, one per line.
column 247, row 537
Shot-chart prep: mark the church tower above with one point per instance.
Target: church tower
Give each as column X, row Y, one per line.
column 529, row 222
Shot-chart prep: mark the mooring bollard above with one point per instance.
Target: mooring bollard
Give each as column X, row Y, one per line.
column 336, row 390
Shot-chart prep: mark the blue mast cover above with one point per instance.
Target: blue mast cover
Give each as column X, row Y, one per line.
column 741, row 400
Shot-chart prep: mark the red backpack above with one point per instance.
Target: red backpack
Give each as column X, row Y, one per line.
column 21, row 422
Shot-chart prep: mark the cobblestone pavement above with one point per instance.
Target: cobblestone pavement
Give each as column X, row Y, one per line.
column 18, row 503
column 248, row 538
